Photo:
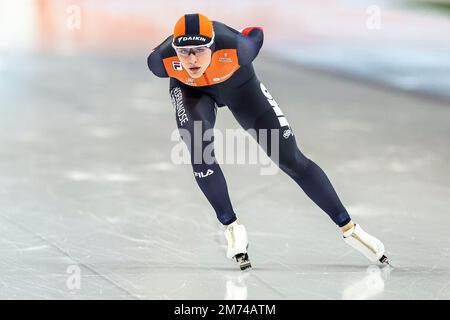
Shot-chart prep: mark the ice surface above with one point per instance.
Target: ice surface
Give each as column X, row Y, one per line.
column 88, row 189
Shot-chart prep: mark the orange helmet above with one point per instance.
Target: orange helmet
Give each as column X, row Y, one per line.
column 193, row 30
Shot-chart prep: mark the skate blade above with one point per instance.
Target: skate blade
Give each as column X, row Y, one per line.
column 244, row 262
column 245, row 266
column 385, row 260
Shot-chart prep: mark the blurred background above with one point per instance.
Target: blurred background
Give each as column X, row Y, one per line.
column 87, row 182
column 403, row 43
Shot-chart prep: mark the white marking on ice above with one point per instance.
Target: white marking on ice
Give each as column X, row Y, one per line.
column 412, row 164
column 114, row 220
column 161, row 166
column 398, row 167
column 35, row 248
column 110, row 177
column 81, row 176
column 363, row 210
column 66, row 259
column 133, row 239
column 102, row 133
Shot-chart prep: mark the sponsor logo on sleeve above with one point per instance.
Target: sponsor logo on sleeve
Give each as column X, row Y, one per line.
column 177, row 65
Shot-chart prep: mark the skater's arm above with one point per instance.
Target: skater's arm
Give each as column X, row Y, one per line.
column 155, row 59
column 249, row 42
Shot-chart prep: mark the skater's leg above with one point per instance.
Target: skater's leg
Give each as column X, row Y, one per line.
column 254, row 108
column 311, row 178
column 305, row 172
column 195, row 114
column 260, row 111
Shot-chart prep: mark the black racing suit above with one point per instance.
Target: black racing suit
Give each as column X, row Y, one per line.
column 255, row 109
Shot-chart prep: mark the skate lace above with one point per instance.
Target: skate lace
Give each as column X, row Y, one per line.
column 354, row 235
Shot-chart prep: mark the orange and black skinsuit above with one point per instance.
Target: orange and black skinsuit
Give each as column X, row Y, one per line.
column 230, row 81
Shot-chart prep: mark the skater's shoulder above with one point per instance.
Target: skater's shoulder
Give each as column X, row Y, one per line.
column 225, row 37
column 249, row 44
column 224, row 32
column 246, row 42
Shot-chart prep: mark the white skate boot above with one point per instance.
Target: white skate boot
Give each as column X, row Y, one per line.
column 368, row 245
column 236, row 236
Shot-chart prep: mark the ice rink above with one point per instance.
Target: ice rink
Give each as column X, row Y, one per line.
column 91, row 205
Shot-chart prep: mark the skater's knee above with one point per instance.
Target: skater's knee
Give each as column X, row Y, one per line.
column 294, row 162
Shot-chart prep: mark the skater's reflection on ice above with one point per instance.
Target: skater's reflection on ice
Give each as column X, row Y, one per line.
column 235, row 287
column 368, row 287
